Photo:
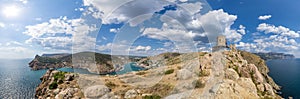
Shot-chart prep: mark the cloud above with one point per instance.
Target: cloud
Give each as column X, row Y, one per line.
column 2, row 25
column 59, row 33
column 183, row 0
column 187, row 30
column 218, row 22
column 117, row 11
column 281, row 30
column 24, row 1
column 114, row 30
column 193, row 8
column 242, row 29
column 279, row 39
column 38, row 19
column 142, row 48
column 184, row 40
column 15, row 50
column 9, row 52
column 264, row 17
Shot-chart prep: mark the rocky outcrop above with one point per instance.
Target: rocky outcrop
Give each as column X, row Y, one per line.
column 40, row 62
column 58, row 85
column 218, row 75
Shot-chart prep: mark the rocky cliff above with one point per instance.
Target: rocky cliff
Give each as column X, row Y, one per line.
column 93, row 62
column 58, row 85
column 219, row 75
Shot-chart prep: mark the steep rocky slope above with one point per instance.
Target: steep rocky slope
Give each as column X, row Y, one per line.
column 59, row 85
column 219, row 75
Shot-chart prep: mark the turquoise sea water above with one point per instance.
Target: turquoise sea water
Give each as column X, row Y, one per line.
column 128, row 68
column 19, row 82
column 286, row 73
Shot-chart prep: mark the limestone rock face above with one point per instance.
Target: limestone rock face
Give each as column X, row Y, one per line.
column 231, row 74
column 247, row 84
column 232, row 90
column 184, row 74
column 96, row 91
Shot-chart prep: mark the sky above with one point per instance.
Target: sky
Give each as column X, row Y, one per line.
column 146, row 27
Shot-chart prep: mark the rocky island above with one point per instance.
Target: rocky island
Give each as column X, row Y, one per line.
column 222, row 74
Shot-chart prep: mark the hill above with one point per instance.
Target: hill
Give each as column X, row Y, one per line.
column 219, row 75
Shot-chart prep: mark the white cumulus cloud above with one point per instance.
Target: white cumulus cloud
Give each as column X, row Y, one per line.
column 281, row 30
column 61, row 33
column 264, row 17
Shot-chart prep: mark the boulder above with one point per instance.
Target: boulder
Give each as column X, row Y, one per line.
column 184, row 74
column 96, row 91
column 130, row 94
column 110, row 96
column 231, row 74
column 247, row 84
column 269, row 89
column 69, row 77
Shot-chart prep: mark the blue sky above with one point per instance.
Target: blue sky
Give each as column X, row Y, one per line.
column 146, row 27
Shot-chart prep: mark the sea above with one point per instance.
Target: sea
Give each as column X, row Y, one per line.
column 19, row 82
column 286, row 73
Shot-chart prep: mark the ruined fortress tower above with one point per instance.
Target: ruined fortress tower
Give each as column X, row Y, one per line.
column 221, row 44
column 221, row 41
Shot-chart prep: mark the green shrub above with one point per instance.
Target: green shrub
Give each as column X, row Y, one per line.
column 240, row 61
column 59, row 75
column 152, row 97
column 60, row 81
column 199, row 84
column 53, row 85
column 140, row 73
column 110, row 84
column 202, row 53
column 203, row 73
column 170, row 71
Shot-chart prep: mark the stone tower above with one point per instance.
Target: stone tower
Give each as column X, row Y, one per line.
column 221, row 41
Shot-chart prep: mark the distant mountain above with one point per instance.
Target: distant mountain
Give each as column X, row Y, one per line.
column 93, row 62
column 273, row 55
column 57, row 55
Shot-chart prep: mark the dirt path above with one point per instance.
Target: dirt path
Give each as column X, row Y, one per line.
column 216, row 76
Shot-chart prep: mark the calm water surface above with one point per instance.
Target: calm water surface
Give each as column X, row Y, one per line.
column 286, row 73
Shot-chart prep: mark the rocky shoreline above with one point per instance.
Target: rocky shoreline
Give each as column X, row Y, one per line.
column 94, row 62
column 228, row 74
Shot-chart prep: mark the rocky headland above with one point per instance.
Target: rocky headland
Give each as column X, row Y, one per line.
column 221, row 75
column 94, row 62
column 272, row 55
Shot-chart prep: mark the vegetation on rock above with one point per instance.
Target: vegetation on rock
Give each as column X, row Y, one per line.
column 152, row 97
column 53, row 85
column 170, row 71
